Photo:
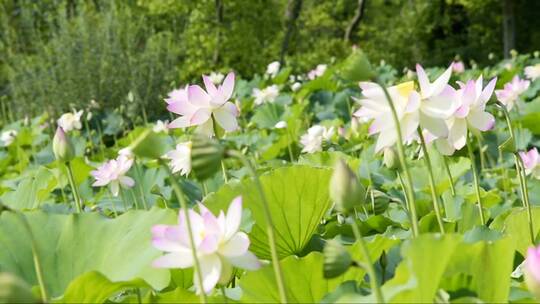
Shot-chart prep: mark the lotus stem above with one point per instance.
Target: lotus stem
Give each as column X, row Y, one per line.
column 74, row 187
column 374, row 282
column 403, row 161
column 433, row 188
column 269, row 224
column 476, row 182
column 449, row 174
column 183, row 205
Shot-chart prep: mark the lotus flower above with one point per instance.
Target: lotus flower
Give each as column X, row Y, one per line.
column 70, row 121
column 471, row 114
column 161, row 126
column 438, row 101
column 317, row 72
column 531, row 162
column 374, row 106
column 532, row 72
column 458, row 67
column 313, row 139
column 273, row 68
column 532, row 270
column 268, row 94
column 218, row 243
column 180, row 158
column 113, row 173
column 198, row 107
column 509, row 95
column 7, row 137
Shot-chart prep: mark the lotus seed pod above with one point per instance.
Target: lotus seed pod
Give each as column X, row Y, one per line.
column 62, row 147
column 345, row 190
column 336, row 259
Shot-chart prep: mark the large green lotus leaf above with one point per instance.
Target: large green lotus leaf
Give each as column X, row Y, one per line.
column 180, row 295
column 483, row 267
column 71, row 245
column 376, row 247
column 31, row 191
column 94, row 287
column 516, row 226
column 304, row 281
column 298, row 199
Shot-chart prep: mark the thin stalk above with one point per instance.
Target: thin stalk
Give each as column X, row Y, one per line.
column 374, row 282
column 525, row 194
column 37, row 264
column 183, row 204
column 407, row 207
column 520, row 171
column 434, row 196
column 269, row 225
column 449, row 174
column 222, row 288
column 139, row 186
column 403, row 161
column 123, row 199
column 289, row 149
column 476, row 182
column 74, row 187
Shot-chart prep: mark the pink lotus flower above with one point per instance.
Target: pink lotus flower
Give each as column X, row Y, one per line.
column 531, row 162
column 532, row 270
column 509, row 95
column 198, row 107
column 113, row 173
column 458, row 67
column 219, row 245
column 470, row 115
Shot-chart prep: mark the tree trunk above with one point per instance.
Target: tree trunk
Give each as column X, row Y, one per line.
column 291, row 15
column 219, row 29
column 355, row 21
column 509, row 27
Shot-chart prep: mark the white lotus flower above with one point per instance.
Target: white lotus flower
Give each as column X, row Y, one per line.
column 281, row 125
column 161, row 126
column 374, row 107
column 533, row 71
column 180, row 158
column 70, row 121
column 216, row 78
column 438, row 101
column 317, row 72
column 273, row 68
column 268, row 94
column 296, row 86
column 313, row 139
column 8, row 137
column 219, row 245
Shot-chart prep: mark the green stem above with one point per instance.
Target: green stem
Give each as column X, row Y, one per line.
column 139, row 186
column 216, row 134
column 74, row 187
column 37, row 264
column 374, row 282
column 520, row 171
column 403, row 161
column 183, row 204
column 449, row 174
column 269, row 225
column 123, row 199
column 224, row 294
column 433, row 188
column 525, row 194
column 476, row 181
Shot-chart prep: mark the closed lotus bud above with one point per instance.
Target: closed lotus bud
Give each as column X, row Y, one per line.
column 62, row 147
column 390, row 158
column 206, row 156
column 336, row 259
column 345, row 190
column 532, row 271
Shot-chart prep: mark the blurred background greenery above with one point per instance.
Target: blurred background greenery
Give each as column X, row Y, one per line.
column 58, row 54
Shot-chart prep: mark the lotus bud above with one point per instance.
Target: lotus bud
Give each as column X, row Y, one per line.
column 345, row 190
column 390, row 158
column 206, row 156
column 532, row 270
column 357, row 67
column 62, row 147
column 336, row 259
